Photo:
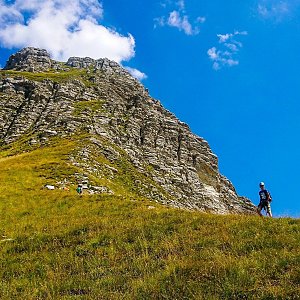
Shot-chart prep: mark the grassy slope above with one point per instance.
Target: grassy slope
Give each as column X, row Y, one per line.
column 64, row 246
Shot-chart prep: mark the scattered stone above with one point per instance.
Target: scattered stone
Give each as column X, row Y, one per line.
column 50, row 132
column 49, row 187
column 100, row 190
column 33, row 142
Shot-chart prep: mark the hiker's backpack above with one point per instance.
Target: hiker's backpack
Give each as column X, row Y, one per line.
column 270, row 197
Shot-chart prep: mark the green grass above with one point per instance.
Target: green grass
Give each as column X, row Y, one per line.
column 92, row 105
column 55, row 76
column 21, row 145
column 58, row 245
column 40, row 76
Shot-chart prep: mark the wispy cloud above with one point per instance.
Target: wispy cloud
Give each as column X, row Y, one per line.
column 179, row 18
column 136, row 73
column 181, row 22
column 226, row 54
column 65, row 28
column 181, row 4
column 276, row 10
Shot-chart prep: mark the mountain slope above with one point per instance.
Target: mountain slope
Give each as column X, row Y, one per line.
column 40, row 98
column 55, row 244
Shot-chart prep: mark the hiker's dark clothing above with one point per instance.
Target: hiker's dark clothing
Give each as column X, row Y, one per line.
column 265, row 200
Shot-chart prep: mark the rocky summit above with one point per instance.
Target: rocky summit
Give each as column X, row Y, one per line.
column 42, row 99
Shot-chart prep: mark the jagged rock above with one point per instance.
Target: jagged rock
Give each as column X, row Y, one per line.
column 32, row 59
column 103, row 64
column 114, row 107
column 29, row 59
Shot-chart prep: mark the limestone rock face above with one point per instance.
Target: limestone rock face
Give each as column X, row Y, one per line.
column 29, row 59
column 106, row 101
column 104, row 64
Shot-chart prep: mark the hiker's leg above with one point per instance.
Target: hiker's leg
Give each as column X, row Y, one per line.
column 269, row 212
column 258, row 210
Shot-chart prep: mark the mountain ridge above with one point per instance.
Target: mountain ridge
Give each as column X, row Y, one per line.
column 41, row 98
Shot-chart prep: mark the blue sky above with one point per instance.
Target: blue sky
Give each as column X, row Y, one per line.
column 230, row 69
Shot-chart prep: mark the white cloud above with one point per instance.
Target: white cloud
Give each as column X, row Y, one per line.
column 179, row 19
column 216, row 66
column 174, row 19
column 232, row 47
column 160, row 21
column 262, row 10
column 224, row 37
column 181, row 4
column 9, row 13
column 212, row 53
column 276, row 10
column 136, row 73
column 229, row 48
column 65, row 28
column 221, row 62
column 231, row 62
column 181, row 22
column 201, row 20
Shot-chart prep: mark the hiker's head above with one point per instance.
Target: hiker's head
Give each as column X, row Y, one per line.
column 262, row 185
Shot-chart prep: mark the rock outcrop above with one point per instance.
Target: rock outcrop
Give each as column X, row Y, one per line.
column 30, row 59
column 100, row 97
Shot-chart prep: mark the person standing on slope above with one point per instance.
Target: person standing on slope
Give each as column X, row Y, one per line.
column 79, row 189
column 265, row 200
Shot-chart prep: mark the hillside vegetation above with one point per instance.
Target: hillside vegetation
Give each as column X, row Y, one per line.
column 59, row 245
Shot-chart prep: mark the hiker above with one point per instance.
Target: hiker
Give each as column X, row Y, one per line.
column 79, row 189
column 265, row 199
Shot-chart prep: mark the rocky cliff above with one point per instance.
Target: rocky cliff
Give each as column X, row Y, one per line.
column 40, row 98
